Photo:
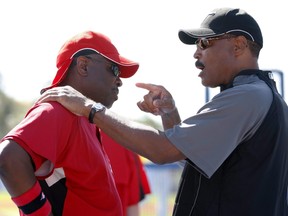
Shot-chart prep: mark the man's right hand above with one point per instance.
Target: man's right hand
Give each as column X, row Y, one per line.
column 70, row 98
column 157, row 101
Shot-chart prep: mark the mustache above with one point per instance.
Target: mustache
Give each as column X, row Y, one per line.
column 116, row 90
column 199, row 64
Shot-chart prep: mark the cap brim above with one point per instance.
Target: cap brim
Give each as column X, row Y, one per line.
column 127, row 67
column 190, row 36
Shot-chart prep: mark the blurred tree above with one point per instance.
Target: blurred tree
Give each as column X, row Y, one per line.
column 150, row 122
column 11, row 112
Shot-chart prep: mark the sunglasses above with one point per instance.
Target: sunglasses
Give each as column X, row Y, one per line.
column 115, row 70
column 113, row 67
column 204, row 43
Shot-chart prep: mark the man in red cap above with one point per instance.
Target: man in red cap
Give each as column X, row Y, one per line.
column 52, row 162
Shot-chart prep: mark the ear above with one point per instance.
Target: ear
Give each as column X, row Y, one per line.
column 82, row 63
column 240, row 45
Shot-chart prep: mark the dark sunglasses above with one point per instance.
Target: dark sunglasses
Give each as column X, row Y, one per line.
column 204, row 43
column 113, row 67
column 115, row 70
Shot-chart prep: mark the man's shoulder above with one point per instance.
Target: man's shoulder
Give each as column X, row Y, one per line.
column 248, row 91
column 49, row 110
column 253, row 88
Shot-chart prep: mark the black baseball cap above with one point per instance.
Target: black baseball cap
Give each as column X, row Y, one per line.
column 224, row 21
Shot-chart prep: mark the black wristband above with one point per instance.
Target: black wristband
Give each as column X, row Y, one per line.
column 34, row 205
column 96, row 107
column 91, row 115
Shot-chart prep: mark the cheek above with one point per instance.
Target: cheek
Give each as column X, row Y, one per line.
column 215, row 70
column 101, row 79
column 222, row 60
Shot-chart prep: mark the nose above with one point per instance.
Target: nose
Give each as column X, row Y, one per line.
column 197, row 52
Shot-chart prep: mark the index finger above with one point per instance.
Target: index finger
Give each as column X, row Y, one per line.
column 147, row 86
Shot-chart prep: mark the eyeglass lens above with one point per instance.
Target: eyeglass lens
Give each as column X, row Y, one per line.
column 113, row 67
column 204, row 43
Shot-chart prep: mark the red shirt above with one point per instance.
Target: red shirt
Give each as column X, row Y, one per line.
column 129, row 173
column 60, row 141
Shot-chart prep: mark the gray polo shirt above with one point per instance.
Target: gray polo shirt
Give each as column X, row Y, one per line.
column 232, row 116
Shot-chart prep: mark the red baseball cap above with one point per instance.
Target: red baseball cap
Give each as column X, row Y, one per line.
column 96, row 42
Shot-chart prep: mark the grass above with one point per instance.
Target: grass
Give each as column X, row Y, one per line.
column 152, row 207
column 149, row 206
column 7, row 207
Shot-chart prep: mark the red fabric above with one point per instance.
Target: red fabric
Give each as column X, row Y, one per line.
column 28, row 197
column 50, row 133
column 128, row 172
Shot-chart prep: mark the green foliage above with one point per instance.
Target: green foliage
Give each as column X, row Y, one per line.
column 150, row 122
column 11, row 113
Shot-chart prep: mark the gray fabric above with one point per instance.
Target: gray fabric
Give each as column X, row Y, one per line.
column 210, row 136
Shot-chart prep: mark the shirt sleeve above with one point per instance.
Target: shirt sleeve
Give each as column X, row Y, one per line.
column 210, row 136
column 44, row 132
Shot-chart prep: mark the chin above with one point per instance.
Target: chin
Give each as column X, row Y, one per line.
column 109, row 105
column 204, row 83
column 207, row 84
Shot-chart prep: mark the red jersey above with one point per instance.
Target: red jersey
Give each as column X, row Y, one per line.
column 129, row 173
column 70, row 162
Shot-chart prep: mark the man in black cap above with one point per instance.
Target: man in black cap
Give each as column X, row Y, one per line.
column 236, row 147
